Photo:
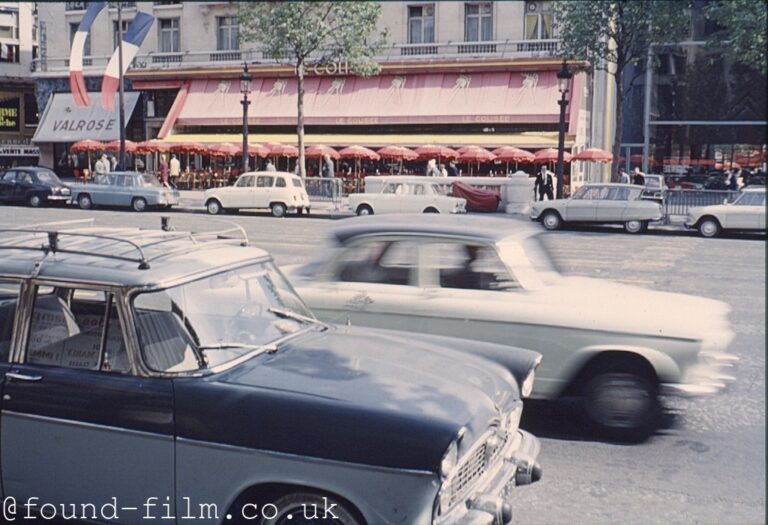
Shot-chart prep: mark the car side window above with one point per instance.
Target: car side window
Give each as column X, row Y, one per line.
column 24, row 177
column 245, row 182
column 297, row 183
column 392, row 188
column 469, row 266
column 264, row 181
column 383, row 262
column 9, row 176
column 617, row 194
column 280, row 183
column 77, row 328
column 419, row 189
column 9, row 298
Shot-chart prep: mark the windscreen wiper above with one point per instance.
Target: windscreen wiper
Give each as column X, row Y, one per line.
column 290, row 314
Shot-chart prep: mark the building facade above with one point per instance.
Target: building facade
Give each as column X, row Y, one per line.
column 454, row 73
column 18, row 108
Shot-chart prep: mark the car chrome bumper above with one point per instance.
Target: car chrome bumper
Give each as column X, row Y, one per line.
column 489, row 505
column 59, row 198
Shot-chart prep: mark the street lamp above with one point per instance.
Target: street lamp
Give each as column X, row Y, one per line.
column 563, row 83
column 245, row 88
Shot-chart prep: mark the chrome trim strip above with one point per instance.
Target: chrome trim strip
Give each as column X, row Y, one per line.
column 85, row 424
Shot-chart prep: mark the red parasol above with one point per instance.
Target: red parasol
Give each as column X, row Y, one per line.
column 637, row 158
column 224, row 149
column 188, row 147
column 464, row 149
column 281, row 150
column 318, row 151
column 550, row 155
column 476, row 155
column 358, row 152
column 397, row 152
column 593, row 155
column 152, row 146
column 254, row 150
column 431, row 151
column 83, row 146
column 130, row 146
column 513, row 154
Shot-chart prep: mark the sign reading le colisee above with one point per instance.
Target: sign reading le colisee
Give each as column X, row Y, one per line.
column 10, row 108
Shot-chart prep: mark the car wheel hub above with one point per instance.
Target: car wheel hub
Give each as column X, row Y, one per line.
column 619, row 401
column 708, row 228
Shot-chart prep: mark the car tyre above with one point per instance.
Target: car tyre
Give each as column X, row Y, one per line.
column 709, row 227
column 84, row 201
column 431, row 210
column 35, row 201
column 139, row 204
column 635, row 226
column 213, row 207
column 621, row 403
column 364, row 209
column 278, row 209
column 551, row 220
column 299, row 508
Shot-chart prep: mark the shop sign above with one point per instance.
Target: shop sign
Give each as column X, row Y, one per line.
column 10, row 112
column 336, row 67
column 19, row 151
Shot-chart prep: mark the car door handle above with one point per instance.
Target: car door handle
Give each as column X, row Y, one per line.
column 22, row 377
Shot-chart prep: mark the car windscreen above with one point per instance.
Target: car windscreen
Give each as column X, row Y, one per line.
column 150, row 180
column 216, row 319
column 48, row 177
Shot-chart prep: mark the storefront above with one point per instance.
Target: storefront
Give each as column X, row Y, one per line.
column 18, row 119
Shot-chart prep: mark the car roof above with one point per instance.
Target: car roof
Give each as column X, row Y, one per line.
column 284, row 173
column 124, row 257
column 28, row 168
column 486, row 229
column 612, row 185
column 750, row 189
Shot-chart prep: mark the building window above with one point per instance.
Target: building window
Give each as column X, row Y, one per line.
column 478, row 22
column 9, row 53
column 421, row 24
column 227, row 38
column 115, row 35
column 538, row 21
column 9, row 25
column 169, row 35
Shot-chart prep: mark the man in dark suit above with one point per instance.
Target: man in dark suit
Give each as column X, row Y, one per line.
column 544, row 184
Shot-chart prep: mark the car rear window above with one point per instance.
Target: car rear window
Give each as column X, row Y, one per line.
column 280, row 183
column 297, row 183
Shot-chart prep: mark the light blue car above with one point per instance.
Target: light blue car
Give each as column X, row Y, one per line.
column 138, row 191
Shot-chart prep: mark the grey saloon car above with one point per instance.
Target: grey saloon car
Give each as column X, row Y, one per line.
column 139, row 191
column 171, row 373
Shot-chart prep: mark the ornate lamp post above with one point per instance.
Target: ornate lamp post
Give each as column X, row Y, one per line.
column 245, row 88
column 563, row 83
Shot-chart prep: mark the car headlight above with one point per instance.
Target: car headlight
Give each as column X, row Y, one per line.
column 450, row 459
column 65, row 191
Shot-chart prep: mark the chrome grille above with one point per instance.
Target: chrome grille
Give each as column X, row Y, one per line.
column 479, row 460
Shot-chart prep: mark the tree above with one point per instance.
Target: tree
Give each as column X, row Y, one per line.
column 614, row 34
column 742, row 32
column 301, row 33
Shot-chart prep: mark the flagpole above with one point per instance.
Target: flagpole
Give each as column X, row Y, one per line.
column 120, row 83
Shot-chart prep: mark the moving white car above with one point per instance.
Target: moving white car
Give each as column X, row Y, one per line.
column 746, row 213
column 618, row 347
column 600, row 203
column 407, row 196
column 277, row 191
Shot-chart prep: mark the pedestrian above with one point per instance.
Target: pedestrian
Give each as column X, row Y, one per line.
column 164, row 172
column 544, row 184
column 327, row 172
column 175, row 170
column 443, row 171
column 432, row 170
column 139, row 164
column 270, row 166
column 452, row 171
column 638, row 177
column 735, row 175
column 113, row 164
column 623, row 177
column 102, row 165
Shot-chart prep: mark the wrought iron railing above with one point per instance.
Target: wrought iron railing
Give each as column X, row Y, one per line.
column 678, row 202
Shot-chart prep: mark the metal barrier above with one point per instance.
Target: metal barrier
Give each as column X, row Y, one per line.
column 677, row 202
column 324, row 190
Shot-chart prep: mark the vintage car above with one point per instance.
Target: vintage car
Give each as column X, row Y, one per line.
column 279, row 192
column 407, row 196
column 139, row 191
column 153, row 370
column 618, row 347
column 746, row 213
column 600, row 203
column 33, row 185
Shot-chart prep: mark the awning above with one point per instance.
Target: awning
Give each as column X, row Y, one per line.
column 63, row 121
column 435, row 98
column 531, row 140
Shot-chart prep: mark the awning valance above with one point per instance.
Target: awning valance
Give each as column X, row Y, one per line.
column 429, row 98
column 63, row 121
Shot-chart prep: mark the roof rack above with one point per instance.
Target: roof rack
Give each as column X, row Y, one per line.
column 53, row 244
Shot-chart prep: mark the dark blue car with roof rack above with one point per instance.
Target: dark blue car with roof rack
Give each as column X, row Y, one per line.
column 162, row 373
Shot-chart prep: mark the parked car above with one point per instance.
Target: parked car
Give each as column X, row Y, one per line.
column 401, row 196
column 279, row 192
column 619, row 347
column 147, row 367
column 746, row 213
column 139, row 191
column 34, row 185
column 654, row 188
column 600, row 203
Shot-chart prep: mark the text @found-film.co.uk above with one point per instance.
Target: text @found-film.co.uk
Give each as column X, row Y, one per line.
column 33, row 510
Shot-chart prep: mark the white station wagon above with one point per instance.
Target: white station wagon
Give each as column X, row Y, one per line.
column 600, row 203
column 407, row 196
column 277, row 191
column 746, row 213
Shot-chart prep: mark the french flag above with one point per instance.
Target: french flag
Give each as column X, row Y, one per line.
column 132, row 40
column 76, row 79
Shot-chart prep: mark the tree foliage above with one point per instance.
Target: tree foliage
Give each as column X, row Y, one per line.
column 743, row 30
column 614, row 34
column 302, row 33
